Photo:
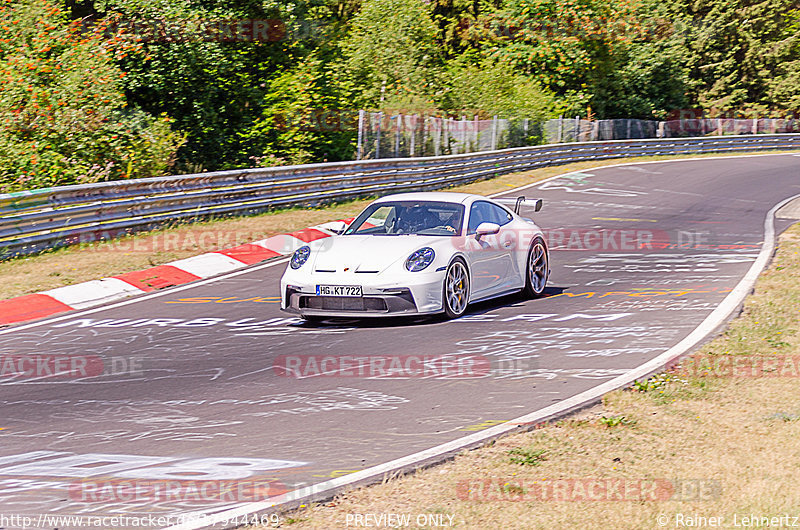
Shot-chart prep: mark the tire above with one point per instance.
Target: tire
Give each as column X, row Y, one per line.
column 455, row 289
column 537, row 269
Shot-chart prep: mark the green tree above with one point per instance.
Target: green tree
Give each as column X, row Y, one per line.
column 561, row 43
column 596, row 54
column 488, row 89
column 63, row 115
column 455, row 20
column 650, row 82
column 650, row 76
column 210, row 85
column 783, row 89
column 391, row 51
column 744, row 53
column 303, row 119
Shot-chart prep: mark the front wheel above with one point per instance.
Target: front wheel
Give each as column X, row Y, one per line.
column 537, row 270
column 456, row 290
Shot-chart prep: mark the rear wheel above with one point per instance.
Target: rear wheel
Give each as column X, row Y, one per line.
column 537, row 269
column 456, row 289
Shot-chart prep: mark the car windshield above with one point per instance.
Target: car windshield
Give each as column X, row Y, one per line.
column 427, row 218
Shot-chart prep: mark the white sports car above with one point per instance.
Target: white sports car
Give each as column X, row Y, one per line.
column 418, row 253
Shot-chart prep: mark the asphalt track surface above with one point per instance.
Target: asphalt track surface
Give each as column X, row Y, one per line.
column 192, row 386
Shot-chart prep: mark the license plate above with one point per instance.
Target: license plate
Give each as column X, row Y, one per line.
column 339, row 290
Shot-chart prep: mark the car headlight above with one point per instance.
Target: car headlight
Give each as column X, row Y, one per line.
column 299, row 257
column 420, row 259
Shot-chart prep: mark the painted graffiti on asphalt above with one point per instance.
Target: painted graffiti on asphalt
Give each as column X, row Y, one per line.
column 241, row 327
column 38, row 479
column 578, row 183
column 657, row 263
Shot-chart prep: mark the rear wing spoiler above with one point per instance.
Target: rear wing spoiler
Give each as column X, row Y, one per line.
column 536, row 206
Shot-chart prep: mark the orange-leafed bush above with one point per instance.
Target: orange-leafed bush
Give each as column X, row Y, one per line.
column 63, row 114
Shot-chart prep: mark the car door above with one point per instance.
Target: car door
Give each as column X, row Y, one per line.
column 506, row 241
column 489, row 257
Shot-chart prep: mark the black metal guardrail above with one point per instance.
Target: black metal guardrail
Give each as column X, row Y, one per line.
column 37, row 220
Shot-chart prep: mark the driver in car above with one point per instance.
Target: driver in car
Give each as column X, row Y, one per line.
column 416, row 219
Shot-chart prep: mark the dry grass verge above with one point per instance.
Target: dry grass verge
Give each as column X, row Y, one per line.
column 727, row 448
column 78, row 264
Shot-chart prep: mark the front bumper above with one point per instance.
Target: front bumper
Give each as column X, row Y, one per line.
column 422, row 296
column 399, row 303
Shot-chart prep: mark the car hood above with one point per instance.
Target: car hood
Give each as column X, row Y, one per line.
column 369, row 253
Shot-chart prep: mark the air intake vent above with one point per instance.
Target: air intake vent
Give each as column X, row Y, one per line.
column 343, row 303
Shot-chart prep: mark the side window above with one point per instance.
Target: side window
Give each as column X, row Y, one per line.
column 499, row 215
column 485, row 212
column 477, row 215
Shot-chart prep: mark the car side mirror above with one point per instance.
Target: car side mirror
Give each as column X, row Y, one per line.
column 538, row 205
column 485, row 229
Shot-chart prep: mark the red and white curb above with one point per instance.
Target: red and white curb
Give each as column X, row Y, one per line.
column 98, row 292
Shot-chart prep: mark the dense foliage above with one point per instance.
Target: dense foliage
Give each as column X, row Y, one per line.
column 106, row 89
column 64, row 117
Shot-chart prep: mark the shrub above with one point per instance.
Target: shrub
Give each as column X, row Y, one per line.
column 63, row 114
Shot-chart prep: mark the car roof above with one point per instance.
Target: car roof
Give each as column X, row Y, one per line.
column 441, row 196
